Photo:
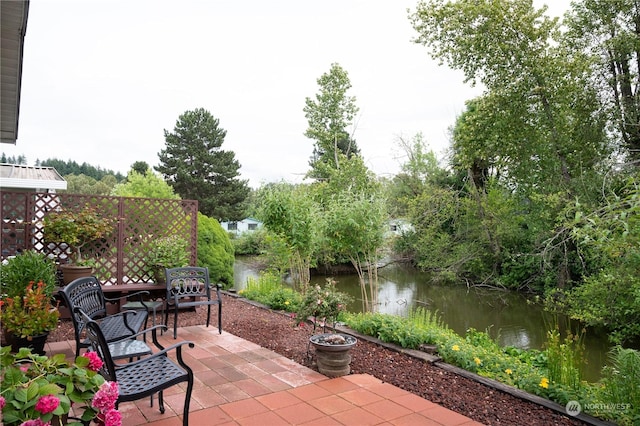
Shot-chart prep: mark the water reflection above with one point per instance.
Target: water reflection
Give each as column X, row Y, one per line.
column 508, row 317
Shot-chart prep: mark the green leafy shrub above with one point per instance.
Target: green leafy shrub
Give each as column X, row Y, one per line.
column 621, row 386
column 166, row 252
column 249, row 243
column 269, row 290
column 215, row 251
column 27, row 267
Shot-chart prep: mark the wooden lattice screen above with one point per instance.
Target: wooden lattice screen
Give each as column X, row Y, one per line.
column 120, row 257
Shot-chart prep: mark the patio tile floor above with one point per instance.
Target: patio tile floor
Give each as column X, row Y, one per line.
column 240, row 383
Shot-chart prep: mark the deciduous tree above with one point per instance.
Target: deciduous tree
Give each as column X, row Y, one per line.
column 329, row 117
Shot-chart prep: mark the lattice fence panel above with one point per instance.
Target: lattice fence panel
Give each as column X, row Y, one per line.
column 148, row 219
column 120, row 256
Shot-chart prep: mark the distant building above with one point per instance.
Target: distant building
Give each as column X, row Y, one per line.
column 245, row 225
column 18, row 177
column 398, row 227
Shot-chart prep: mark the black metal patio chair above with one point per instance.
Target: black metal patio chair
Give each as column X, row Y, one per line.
column 189, row 286
column 86, row 294
column 147, row 376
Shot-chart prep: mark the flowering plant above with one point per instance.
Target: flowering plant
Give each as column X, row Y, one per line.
column 29, row 315
column 323, row 304
column 35, row 388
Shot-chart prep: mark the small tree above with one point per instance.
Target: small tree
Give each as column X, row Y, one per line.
column 329, row 116
column 354, row 228
column 76, row 229
column 147, row 184
column 291, row 215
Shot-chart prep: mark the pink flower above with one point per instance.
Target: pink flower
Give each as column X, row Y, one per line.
column 47, row 404
column 36, row 422
column 24, row 368
column 2, row 402
column 112, row 417
column 95, row 363
column 106, row 397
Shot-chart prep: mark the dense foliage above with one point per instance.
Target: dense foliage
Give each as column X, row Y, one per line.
column 215, row 251
column 540, row 191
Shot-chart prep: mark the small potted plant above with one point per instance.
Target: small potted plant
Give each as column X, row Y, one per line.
column 73, row 230
column 323, row 306
column 27, row 320
column 166, row 252
column 44, row 389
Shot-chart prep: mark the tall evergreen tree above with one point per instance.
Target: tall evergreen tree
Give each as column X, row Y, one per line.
column 198, row 169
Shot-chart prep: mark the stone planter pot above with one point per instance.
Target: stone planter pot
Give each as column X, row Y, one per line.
column 72, row 272
column 333, row 355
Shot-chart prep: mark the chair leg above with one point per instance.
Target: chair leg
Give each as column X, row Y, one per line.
column 187, row 400
column 175, row 322
column 208, row 315
column 161, row 402
column 220, row 318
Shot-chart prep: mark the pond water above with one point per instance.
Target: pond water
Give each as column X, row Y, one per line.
column 507, row 316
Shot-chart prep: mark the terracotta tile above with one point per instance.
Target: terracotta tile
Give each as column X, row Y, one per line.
column 199, row 353
column 214, row 363
column 208, row 416
column 232, row 374
column 176, row 403
column 299, row 413
column 231, row 359
column 414, row 419
column 337, row 385
column 292, row 378
column 132, row 417
column 250, row 356
column 361, row 396
column 269, row 366
column 207, row 397
column 331, row 404
column 210, row 378
column 266, row 419
column 387, row 410
column 195, row 365
column 272, row 383
column 252, row 387
column 363, row 380
column 244, row 408
column 153, row 413
column 413, row 402
column 251, row 370
column 230, row 392
column 386, row 390
column 172, row 421
column 323, row 421
column 444, row 416
column 357, row 416
column 309, row 392
column 276, row 400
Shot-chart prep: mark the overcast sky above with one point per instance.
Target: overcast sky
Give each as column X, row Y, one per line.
column 103, row 79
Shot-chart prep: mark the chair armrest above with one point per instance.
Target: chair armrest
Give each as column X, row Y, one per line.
column 177, row 346
column 153, row 331
column 137, row 294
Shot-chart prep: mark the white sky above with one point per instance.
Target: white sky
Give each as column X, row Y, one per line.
column 102, row 79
